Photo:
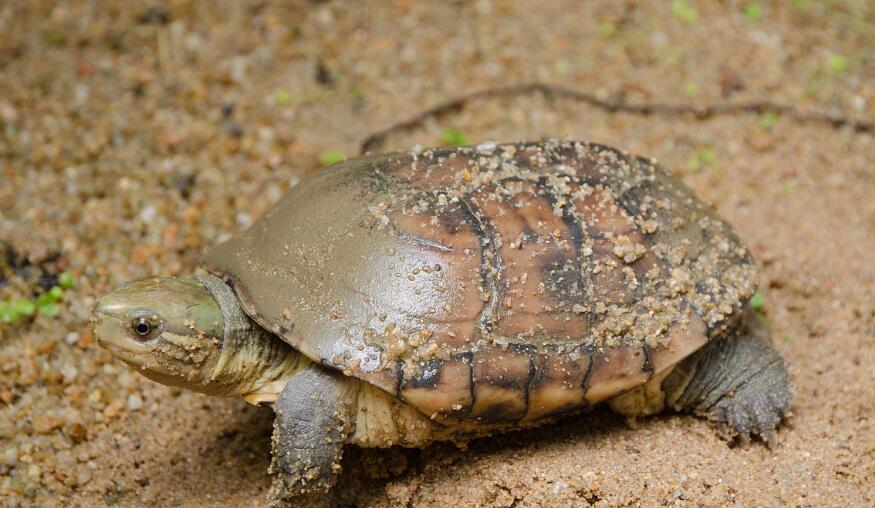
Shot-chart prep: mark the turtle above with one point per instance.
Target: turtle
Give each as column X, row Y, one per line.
column 453, row 293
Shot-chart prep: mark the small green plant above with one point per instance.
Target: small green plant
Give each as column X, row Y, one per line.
column 454, row 137
column 757, row 301
column 684, row 11
column 562, row 66
column 66, row 280
column 837, row 63
column 608, row 30
column 46, row 304
column 703, row 158
column 768, row 120
column 753, row 12
column 282, row 97
column 331, row 156
column 691, row 88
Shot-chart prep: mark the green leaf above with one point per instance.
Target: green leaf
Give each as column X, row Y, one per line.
column 7, row 313
column 23, row 306
column 282, row 96
column 753, row 12
column 50, row 309
column 768, row 120
column 757, row 301
column 706, row 155
column 837, row 63
column 44, row 299
column 691, row 89
column 684, row 11
column 56, row 293
column 331, row 157
column 66, row 280
column 454, row 137
column 608, row 30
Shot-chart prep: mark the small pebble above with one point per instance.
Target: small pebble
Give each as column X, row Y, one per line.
column 83, row 476
column 72, row 338
column 135, row 402
column 69, row 372
column 10, row 456
column 34, row 471
column 147, row 214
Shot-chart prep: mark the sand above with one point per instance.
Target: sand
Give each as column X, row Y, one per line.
column 133, row 137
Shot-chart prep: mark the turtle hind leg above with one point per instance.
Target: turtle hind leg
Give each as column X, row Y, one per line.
column 313, row 422
column 738, row 382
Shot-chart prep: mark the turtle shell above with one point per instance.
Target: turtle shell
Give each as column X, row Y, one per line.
column 495, row 283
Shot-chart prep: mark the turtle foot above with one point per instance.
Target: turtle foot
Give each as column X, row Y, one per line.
column 739, row 383
column 310, row 430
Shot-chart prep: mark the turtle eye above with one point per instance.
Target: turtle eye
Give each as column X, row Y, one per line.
column 144, row 328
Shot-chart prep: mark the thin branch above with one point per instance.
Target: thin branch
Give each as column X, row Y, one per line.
column 378, row 139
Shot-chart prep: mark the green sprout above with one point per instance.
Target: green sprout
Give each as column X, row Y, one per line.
column 66, row 280
column 757, row 301
column 753, row 12
column 454, row 137
column 768, row 120
column 837, row 64
column 23, row 306
column 562, row 66
column 703, row 158
column 691, row 88
column 684, row 11
column 282, row 96
column 49, row 309
column 608, row 30
column 7, row 313
column 330, row 157
column 46, row 304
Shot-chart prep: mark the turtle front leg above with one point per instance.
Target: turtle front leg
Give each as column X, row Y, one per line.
column 738, row 382
column 313, row 422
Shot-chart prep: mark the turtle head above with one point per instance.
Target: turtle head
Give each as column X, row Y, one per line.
column 170, row 329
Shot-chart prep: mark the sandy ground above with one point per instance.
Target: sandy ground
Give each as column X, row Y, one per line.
column 132, row 138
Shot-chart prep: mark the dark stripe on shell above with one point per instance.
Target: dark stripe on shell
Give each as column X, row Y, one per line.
column 400, row 378
column 585, row 383
column 468, row 356
column 532, row 352
column 574, row 226
column 648, row 365
column 488, row 283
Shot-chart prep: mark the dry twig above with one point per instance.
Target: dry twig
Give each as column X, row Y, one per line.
column 378, row 139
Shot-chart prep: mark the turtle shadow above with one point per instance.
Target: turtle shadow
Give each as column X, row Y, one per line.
column 236, row 457
column 368, row 473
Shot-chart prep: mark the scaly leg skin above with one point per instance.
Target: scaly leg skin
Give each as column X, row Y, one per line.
column 738, row 382
column 313, row 422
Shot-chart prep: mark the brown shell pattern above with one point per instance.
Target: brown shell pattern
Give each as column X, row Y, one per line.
column 497, row 283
